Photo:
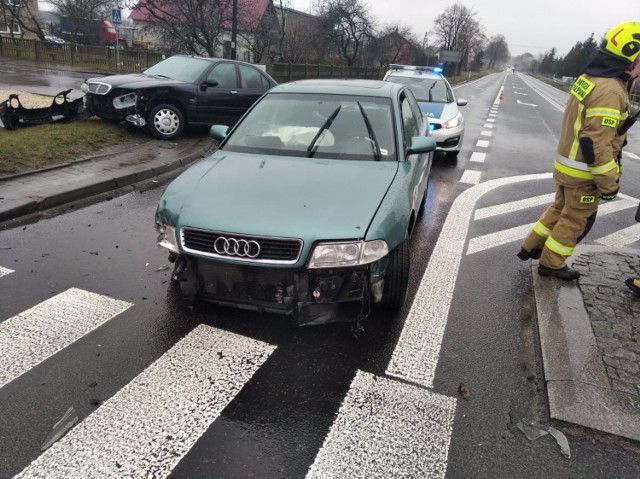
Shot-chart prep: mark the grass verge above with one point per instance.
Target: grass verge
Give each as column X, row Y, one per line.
column 33, row 147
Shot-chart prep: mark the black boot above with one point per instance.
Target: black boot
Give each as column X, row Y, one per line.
column 634, row 285
column 525, row 255
column 564, row 273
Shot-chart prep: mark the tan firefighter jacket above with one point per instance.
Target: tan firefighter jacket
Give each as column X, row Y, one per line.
column 597, row 106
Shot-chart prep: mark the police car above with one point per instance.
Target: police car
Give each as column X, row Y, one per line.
column 437, row 102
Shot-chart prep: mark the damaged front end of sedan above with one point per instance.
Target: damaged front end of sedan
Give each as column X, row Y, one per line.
column 126, row 105
column 311, row 294
column 13, row 114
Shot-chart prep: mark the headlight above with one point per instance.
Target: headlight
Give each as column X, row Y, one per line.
column 455, row 121
column 84, row 87
column 334, row 255
column 125, row 101
column 167, row 237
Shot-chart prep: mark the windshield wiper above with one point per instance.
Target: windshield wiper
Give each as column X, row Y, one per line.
column 311, row 150
column 431, row 88
column 376, row 147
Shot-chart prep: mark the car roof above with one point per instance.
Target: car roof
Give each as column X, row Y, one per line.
column 358, row 87
column 213, row 59
column 414, row 71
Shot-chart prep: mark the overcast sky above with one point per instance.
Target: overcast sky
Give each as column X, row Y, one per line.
column 529, row 26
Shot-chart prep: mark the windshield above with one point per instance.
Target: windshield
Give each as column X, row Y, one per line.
column 319, row 126
column 179, row 68
column 425, row 89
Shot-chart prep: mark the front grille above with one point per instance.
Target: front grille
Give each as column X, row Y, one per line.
column 245, row 284
column 450, row 143
column 98, row 88
column 272, row 250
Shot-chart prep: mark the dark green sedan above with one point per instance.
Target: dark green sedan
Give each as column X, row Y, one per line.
column 307, row 205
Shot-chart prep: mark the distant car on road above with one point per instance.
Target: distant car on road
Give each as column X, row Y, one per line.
column 437, row 102
column 307, row 206
column 178, row 91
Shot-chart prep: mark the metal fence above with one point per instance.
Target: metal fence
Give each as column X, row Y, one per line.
column 92, row 58
column 109, row 60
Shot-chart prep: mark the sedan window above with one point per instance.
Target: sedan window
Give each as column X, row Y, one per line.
column 318, row 126
column 179, row 68
column 425, row 89
column 250, row 78
column 225, row 75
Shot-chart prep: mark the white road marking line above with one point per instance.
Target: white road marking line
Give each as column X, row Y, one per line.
column 534, row 87
column 384, row 427
column 477, row 157
column 513, row 206
column 38, row 333
column 493, row 114
column 5, row 271
column 482, row 143
column 471, row 177
column 527, row 104
column 488, row 125
column 491, row 120
column 633, row 156
column 520, row 93
column 416, row 354
column 146, row 428
column 499, row 238
column 622, row 237
column 486, row 133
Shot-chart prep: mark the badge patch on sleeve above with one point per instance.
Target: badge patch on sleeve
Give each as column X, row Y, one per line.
column 610, row 122
column 588, row 199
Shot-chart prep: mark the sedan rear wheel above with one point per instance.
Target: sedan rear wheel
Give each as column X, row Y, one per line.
column 396, row 278
column 166, row 122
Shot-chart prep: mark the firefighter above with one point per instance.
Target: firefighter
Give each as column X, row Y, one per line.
column 587, row 167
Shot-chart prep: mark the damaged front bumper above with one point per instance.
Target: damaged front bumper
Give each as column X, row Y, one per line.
column 13, row 114
column 311, row 296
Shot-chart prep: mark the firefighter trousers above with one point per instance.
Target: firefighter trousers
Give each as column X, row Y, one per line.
column 563, row 225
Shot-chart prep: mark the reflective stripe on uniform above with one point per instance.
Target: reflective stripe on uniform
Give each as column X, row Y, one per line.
column 573, row 168
column 603, row 169
column 577, row 126
column 608, row 112
column 558, row 247
column 541, row 230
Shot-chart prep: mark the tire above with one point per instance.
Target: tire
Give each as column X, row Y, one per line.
column 452, row 155
column 396, row 278
column 165, row 122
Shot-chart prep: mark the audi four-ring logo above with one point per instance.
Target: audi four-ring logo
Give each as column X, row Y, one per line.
column 236, row 247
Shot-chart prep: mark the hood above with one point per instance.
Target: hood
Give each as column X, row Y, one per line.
column 134, row 81
column 438, row 111
column 289, row 197
column 608, row 66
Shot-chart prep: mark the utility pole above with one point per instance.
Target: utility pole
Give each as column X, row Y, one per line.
column 234, row 30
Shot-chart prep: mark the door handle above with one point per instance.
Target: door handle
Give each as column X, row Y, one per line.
column 234, row 92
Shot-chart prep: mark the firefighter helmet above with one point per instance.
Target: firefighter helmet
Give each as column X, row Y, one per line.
column 623, row 41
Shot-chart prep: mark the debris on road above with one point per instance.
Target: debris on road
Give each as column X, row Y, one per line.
column 14, row 114
column 60, row 428
column 531, row 431
column 561, row 439
column 464, row 391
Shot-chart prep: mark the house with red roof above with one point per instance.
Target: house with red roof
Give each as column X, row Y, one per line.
column 190, row 27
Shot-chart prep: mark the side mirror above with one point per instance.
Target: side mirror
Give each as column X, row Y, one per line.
column 462, row 102
column 219, row 132
column 421, row 144
column 207, row 83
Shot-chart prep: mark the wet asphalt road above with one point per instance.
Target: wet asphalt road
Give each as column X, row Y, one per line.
column 276, row 424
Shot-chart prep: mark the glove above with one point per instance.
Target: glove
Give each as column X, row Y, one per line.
column 609, row 196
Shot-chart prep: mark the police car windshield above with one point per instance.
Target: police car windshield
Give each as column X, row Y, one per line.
column 425, row 89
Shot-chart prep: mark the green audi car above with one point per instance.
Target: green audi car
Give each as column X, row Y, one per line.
column 306, row 206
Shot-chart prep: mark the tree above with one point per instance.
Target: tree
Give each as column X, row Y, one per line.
column 497, row 51
column 457, row 29
column 22, row 13
column 394, row 44
column 346, row 26
column 574, row 62
column 549, row 62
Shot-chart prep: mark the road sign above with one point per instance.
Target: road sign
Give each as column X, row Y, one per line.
column 116, row 16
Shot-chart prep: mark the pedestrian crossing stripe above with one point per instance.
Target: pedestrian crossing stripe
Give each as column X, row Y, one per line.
column 5, row 271
column 147, row 427
column 517, row 233
column 38, row 333
column 385, row 426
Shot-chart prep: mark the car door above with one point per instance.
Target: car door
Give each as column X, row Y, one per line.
column 253, row 84
column 218, row 96
column 419, row 166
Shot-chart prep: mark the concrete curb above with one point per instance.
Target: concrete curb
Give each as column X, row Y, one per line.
column 578, row 388
column 31, row 207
